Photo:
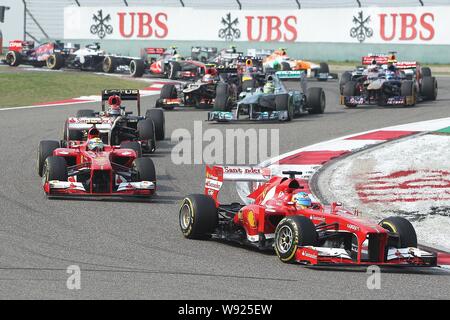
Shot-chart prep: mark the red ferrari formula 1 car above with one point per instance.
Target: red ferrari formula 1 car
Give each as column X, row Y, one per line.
column 91, row 168
column 313, row 235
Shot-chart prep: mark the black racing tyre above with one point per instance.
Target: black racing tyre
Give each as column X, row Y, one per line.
column 55, row 168
column 349, row 90
column 85, row 113
column 324, row 68
column 13, row 58
column 144, row 169
column 198, row 216
column 429, row 88
column 55, row 61
column 408, row 89
column 159, row 122
column 146, row 130
column 222, row 99
column 293, row 232
column 249, row 84
column 174, row 68
column 403, row 228
column 345, row 77
column 168, row 91
column 137, row 68
column 426, row 72
column 45, row 150
column 133, row 145
column 285, row 66
column 316, row 100
column 109, row 64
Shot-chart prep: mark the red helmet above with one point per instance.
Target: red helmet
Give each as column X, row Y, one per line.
column 115, row 102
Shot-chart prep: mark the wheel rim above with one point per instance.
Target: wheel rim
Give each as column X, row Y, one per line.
column 185, row 216
column 51, row 61
column 284, row 241
column 132, row 67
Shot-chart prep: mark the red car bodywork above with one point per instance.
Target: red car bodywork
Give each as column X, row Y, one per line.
column 272, row 201
column 115, row 162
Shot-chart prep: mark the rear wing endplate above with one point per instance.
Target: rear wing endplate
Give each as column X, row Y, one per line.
column 216, row 175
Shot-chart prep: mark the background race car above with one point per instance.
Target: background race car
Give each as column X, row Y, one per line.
column 270, row 102
column 384, row 81
column 101, row 170
column 116, row 125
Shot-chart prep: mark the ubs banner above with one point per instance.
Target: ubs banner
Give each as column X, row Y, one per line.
column 419, row 25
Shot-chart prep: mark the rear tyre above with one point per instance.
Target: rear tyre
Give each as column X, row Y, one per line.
column 55, row 61
column 403, row 228
column 426, row 72
column 13, row 58
column 133, row 145
column 198, row 216
column 137, row 68
column 345, row 77
column 109, row 64
column 349, row 90
column 408, row 89
column 144, row 170
column 45, row 150
column 316, row 100
column 55, row 168
column 85, row 113
column 429, row 88
column 293, row 232
column 222, row 100
column 324, row 68
column 168, row 91
column 159, row 122
column 146, row 129
column 174, row 68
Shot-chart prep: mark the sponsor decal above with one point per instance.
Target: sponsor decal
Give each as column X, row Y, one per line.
column 361, row 30
column 100, row 27
column 230, row 31
column 353, row 227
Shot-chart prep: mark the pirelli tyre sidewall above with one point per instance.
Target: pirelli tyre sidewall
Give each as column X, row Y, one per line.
column 293, row 232
column 198, row 216
column 403, row 228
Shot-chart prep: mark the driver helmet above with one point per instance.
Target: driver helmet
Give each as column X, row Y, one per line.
column 269, row 87
column 95, row 144
column 302, row 200
column 114, row 103
column 93, row 133
column 208, row 78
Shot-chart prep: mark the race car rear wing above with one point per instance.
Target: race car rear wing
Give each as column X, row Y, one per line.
column 216, row 175
column 124, row 94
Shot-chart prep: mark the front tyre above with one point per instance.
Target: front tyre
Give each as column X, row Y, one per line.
column 293, row 232
column 198, row 216
column 403, row 228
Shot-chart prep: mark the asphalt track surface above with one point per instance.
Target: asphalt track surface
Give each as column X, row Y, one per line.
column 135, row 250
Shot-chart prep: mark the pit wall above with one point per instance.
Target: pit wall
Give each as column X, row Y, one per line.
column 436, row 54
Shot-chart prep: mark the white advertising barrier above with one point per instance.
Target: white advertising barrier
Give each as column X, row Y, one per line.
column 419, row 25
column 12, row 26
